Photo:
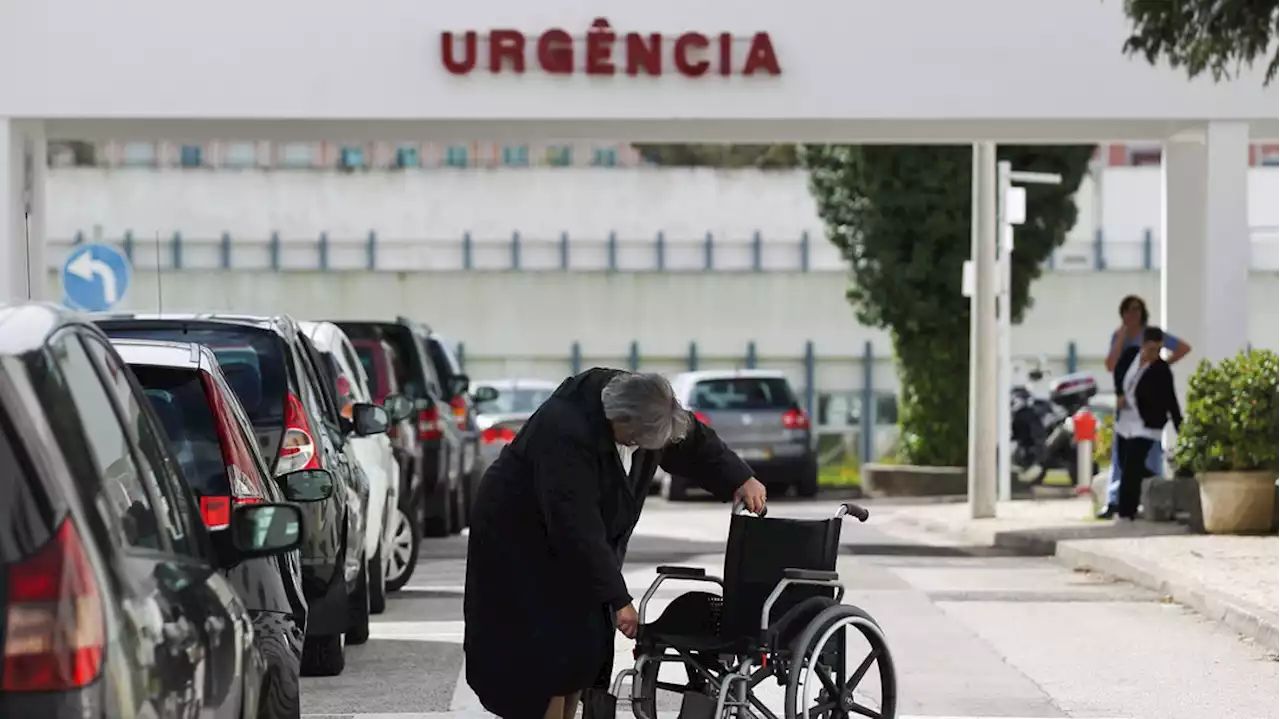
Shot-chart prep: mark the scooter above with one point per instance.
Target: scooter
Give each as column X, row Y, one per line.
column 1043, row 431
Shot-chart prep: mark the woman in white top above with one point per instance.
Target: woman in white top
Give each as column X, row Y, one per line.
column 1146, row 403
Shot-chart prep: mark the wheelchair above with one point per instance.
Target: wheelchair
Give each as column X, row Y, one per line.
column 778, row 615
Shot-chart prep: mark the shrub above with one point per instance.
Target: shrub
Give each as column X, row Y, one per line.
column 1106, row 435
column 1232, row 417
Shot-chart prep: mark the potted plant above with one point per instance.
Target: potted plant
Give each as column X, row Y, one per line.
column 1229, row 441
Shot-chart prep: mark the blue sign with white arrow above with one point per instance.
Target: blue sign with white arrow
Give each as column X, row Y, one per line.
column 95, row 278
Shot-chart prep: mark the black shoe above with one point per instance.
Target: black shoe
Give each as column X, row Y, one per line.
column 1107, row 513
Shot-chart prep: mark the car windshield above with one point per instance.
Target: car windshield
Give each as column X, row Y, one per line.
column 742, row 393
column 252, row 360
column 516, row 400
column 179, row 399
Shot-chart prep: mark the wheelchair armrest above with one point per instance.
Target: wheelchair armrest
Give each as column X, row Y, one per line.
column 681, row 572
column 810, row 575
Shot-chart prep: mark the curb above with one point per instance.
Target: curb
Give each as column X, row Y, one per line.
column 1250, row 621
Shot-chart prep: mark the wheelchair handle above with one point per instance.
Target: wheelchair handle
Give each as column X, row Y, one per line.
column 740, row 507
column 851, row 509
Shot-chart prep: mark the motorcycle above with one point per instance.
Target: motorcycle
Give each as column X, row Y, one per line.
column 1042, row 424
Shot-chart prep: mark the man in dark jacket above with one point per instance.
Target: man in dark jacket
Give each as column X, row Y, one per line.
column 549, row 532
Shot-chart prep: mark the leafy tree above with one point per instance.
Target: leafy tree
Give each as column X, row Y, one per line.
column 901, row 217
column 1219, row 36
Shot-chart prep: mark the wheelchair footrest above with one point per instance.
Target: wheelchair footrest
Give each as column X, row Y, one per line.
column 697, row 705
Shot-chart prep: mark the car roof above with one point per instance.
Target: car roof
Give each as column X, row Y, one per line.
column 275, row 323
column 161, row 353
column 324, row 333
column 26, row 326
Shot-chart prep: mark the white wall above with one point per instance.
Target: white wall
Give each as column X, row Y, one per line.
column 414, row 207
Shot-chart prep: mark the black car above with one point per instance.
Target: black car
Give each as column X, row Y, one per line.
column 438, row 502
column 462, row 404
column 274, row 370
column 117, row 601
column 216, row 449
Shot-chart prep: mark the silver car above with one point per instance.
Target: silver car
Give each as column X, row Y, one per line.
column 499, row 419
column 757, row 414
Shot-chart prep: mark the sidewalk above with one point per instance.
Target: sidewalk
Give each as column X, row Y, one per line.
column 1229, row 579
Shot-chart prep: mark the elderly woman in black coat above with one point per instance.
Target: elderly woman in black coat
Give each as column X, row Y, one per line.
column 549, row 532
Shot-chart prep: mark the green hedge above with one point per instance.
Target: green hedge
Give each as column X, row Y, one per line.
column 1232, row 417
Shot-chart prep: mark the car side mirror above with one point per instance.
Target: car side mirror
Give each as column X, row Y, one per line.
column 369, row 419
column 484, row 394
column 398, row 407
column 264, row 530
column 307, row 485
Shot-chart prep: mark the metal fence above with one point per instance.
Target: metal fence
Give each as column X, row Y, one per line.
column 660, row 253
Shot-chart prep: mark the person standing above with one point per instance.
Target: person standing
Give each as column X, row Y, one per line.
column 1148, row 401
column 1134, row 317
column 549, row 532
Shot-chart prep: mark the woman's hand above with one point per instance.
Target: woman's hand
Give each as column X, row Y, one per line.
column 752, row 494
column 628, row 621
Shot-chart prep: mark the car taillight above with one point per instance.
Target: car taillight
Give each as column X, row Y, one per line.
column 216, row 511
column 494, row 435
column 55, row 629
column 459, row 405
column 795, row 419
column 702, row 418
column 297, row 447
column 429, row 423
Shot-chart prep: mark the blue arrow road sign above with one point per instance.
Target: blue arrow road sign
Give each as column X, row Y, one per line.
column 95, row 278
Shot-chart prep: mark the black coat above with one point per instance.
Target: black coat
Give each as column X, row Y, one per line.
column 1155, row 395
column 549, row 532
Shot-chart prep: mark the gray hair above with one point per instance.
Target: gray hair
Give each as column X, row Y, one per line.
column 646, row 406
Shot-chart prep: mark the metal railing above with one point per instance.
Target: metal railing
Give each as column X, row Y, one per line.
column 611, row 253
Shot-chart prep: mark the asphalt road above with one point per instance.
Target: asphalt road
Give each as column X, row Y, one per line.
column 975, row 633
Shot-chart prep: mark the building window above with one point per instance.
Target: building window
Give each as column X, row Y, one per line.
column 605, row 157
column 455, row 156
column 138, row 154
column 559, row 156
column 1268, row 155
column 350, row 158
column 298, row 154
column 240, row 154
column 1144, row 155
column 408, row 156
column 191, row 156
column 515, row 155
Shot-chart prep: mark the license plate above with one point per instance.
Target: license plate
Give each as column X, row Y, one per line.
column 754, row 454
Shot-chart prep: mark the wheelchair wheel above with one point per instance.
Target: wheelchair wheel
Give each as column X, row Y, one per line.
column 841, row 667
column 649, row 687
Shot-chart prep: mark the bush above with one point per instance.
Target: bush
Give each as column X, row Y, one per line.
column 1106, row 435
column 1232, row 417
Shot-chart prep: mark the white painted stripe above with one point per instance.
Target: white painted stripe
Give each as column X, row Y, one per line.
column 439, row 631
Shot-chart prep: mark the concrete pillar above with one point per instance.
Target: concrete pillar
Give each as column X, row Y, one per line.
column 23, row 161
column 983, row 340
column 1205, row 256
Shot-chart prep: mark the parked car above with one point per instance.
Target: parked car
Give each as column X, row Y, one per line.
column 119, row 602
column 379, row 359
column 214, row 445
column 756, row 413
column 502, row 408
column 276, row 374
column 462, row 406
column 438, row 502
column 373, row 453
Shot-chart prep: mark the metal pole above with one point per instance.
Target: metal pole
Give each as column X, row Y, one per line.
column 1004, row 462
column 982, row 341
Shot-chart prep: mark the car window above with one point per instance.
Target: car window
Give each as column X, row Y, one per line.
column 178, row 397
column 104, row 440
column 512, row 400
column 343, row 387
column 434, row 385
column 441, row 361
column 152, row 458
column 362, row 388
column 743, row 393
column 245, row 437
column 252, row 359
column 323, row 385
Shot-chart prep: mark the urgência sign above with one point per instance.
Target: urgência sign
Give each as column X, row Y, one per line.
column 606, row 52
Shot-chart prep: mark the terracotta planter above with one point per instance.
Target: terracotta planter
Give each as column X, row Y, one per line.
column 1237, row 502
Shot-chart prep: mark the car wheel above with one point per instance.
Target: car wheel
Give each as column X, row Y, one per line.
column 441, row 524
column 377, row 583
column 677, row 489
column 403, row 558
column 358, row 610
column 280, row 692
column 323, row 656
